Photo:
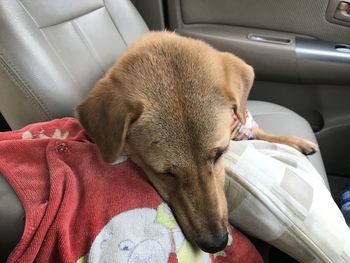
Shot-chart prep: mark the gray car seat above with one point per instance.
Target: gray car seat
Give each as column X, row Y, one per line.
column 52, row 53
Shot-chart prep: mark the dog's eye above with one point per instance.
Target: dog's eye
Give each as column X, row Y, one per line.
column 217, row 156
column 218, row 153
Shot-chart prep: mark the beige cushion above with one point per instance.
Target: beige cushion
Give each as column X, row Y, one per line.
column 275, row 194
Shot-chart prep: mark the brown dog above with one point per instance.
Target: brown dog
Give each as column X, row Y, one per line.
column 167, row 103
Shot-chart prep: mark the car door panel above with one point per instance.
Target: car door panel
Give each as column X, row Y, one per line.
column 306, row 17
column 278, row 56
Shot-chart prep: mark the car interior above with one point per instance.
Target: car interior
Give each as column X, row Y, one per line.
column 52, row 53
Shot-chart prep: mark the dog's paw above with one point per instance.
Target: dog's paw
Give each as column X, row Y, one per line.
column 306, row 147
column 310, row 150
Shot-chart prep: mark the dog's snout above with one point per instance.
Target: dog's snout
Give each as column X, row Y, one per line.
column 216, row 245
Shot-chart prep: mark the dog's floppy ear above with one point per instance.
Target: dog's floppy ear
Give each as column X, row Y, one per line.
column 239, row 78
column 106, row 115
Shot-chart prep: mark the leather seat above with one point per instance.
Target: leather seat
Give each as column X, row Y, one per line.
column 52, row 53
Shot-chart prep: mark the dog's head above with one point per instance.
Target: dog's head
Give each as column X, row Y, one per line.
column 167, row 103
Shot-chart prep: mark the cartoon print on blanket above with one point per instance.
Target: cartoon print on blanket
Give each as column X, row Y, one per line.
column 143, row 235
column 81, row 209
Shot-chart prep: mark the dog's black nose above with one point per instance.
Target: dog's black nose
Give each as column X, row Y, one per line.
column 216, row 246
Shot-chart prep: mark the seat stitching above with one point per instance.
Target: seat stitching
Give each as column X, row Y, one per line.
column 72, row 18
column 47, row 41
column 33, row 94
column 28, row 13
column 116, row 27
column 24, row 87
column 88, row 44
column 58, row 57
column 61, row 22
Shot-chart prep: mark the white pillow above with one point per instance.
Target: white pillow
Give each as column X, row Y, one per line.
column 275, row 194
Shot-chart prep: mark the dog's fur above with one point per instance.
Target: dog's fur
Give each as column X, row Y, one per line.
column 167, row 103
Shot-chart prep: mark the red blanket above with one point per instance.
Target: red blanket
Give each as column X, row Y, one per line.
column 79, row 208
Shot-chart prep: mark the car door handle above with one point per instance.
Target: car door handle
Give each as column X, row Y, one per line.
column 270, row 39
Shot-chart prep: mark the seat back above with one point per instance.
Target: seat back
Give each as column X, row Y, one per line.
column 52, row 53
